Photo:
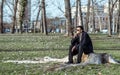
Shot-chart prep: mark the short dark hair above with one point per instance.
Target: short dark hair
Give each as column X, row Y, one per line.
column 81, row 27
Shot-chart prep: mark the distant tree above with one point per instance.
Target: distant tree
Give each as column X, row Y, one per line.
column 110, row 19
column 38, row 14
column 111, row 7
column 44, row 17
column 41, row 23
column 76, row 15
column 87, row 16
column 1, row 16
column 14, row 16
column 69, row 26
column 80, row 12
column 93, row 14
column 23, row 4
column 119, row 19
column 58, row 5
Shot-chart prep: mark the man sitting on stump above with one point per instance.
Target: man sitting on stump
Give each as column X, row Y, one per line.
column 80, row 43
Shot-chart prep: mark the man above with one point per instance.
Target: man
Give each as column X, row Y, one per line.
column 80, row 43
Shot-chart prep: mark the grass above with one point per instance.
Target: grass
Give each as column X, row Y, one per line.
column 32, row 42
column 38, row 69
column 30, row 46
column 36, row 42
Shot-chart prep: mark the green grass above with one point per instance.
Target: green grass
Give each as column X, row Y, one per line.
column 31, row 46
column 39, row 69
column 51, row 42
column 33, row 42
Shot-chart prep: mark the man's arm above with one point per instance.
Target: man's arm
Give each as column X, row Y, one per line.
column 82, row 44
column 74, row 39
column 80, row 52
column 84, row 40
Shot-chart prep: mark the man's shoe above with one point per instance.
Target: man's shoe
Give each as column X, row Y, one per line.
column 78, row 62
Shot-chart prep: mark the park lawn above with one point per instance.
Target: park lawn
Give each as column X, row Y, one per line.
column 32, row 42
column 36, row 42
column 31, row 46
column 40, row 69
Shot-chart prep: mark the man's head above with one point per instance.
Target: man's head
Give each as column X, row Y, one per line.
column 79, row 29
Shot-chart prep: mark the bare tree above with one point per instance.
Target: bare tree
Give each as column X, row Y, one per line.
column 110, row 20
column 14, row 17
column 119, row 19
column 69, row 26
column 23, row 4
column 9, row 4
column 87, row 16
column 41, row 23
column 111, row 7
column 58, row 5
column 80, row 12
column 93, row 14
column 76, row 15
column 38, row 14
column 1, row 17
column 44, row 17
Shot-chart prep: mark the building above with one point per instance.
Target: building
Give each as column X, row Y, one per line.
column 106, row 8
column 55, row 25
column 115, row 15
column 100, row 17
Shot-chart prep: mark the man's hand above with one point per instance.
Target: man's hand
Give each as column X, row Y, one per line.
column 73, row 48
column 76, row 34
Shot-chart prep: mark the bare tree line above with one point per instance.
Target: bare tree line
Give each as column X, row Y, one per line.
column 21, row 4
column 1, row 16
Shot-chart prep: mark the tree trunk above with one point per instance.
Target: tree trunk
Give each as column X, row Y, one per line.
column 80, row 13
column 111, row 7
column 1, row 17
column 44, row 17
column 119, row 19
column 93, row 13
column 14, row 17
column 69, row 25
column 110, row 20
column 76, row 15
column 87, row 16
column 41, row 23
column 37, row 17
column 23, row 4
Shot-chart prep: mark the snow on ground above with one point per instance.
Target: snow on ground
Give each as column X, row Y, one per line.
column 46, row 59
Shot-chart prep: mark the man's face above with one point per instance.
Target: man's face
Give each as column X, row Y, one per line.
column 78, row 30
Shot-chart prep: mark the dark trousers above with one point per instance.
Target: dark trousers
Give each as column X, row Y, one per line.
column 76, row 51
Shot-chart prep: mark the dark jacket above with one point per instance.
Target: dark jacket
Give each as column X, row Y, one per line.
column 85, row 43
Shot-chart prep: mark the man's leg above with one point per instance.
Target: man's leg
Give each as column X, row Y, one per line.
column 72, row 51
column 80, row 52
column 70, row 58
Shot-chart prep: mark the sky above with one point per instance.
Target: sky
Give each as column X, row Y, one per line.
column 51, row 9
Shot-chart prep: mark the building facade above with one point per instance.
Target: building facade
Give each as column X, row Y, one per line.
column 101, row 16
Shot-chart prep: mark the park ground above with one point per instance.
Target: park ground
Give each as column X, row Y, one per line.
column 31, row 46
